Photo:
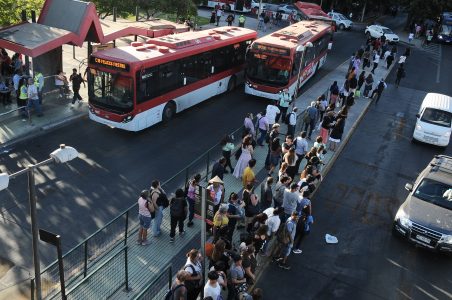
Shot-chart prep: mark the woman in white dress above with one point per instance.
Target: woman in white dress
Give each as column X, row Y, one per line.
column 242, row 163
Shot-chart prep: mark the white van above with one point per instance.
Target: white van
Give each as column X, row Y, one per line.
column 433, row 124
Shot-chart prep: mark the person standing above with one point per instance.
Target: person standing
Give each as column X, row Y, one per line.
column 266, row 194
column 23, row 97
column 271, row 113
column 212, row 288
column 226, row 148
column 16, row 79
column 311, row 118
column 158, row 197
column 33, row 98
column 301, row 148
column 402, row 58
column 77, row 80
column 336, row 133
column 230, row 19
column 361, row 79
column 235, row 213
column 215, row 192
column 290, row 200
column 219, row 168
column 400, row 74
column 273, row 222
column 410, row 37
column 285, row 241
column 283, row 104
column 378, row 90
column 178, row 289
column 194, row 268
column 248, row 176
column 145, row 210
column 245, row 157
column 191, row 196
column 39, row 82
column 292, row 122
column 219, row 14
column 389, row 60
column 368, row 85
column 376, row 60
column 178, row 213
column 242, row 21
column 334, row 92
column 263, row 126
column 281, row 185
column 366, row 58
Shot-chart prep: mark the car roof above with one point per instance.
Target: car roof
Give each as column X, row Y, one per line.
column 438, row 101
column 440, row 169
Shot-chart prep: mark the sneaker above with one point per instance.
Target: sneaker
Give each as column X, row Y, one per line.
column 190, row 223
column 145, row 243
column 284, row 266
column 276, row 259
column 171, row 240
column 297, row 251
column 182, row 233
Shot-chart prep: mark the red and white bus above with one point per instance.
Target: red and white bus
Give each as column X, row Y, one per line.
column 273, row 62
column 142, row 84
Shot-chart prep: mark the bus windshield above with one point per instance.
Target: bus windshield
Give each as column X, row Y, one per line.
column 111, row 91
column 267, row 69
column 446, row 29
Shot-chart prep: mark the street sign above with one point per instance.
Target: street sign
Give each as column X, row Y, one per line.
column 49, row 237
column 201, row 194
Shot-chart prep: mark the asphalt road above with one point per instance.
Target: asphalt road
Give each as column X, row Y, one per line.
column 359, row 198
column 77, row 199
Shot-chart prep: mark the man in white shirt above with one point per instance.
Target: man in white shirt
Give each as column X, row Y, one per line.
column 301, row 148
column 271, row 112
column 212, row 288
column 16, row 79
column 219, row 14
column 402, row 59
column 33, row 98
column 292, row 122
column 273, row 221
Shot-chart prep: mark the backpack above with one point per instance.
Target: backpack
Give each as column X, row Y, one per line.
column 177, row 207
column 162, row 199
column 170, row 293
column 283, row 234
column 287, row 119
column 306, row 117
column 191, row 284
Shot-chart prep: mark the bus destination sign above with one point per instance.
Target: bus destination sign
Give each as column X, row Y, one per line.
column 270, row 49
column 110, row 64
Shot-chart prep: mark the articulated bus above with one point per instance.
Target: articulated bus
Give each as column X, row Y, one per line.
column 136, row 86
column 273, row 62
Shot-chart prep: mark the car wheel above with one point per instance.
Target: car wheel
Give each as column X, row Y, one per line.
column 168, row 112
column 341, row 26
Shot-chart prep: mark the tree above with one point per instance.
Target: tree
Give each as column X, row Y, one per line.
column 123, row 7
column 181, row 8
column 10, row 10
column 421, row 10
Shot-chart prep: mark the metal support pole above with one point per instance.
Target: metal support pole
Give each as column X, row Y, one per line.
column 85, row 266
column 90, row 49
column 32, row 289
column 34, row 229
column 137, row 16
column 114, row 14
column 126, row 269
column 73, row 52
column 33, row 16
column 186, row 176
column 23, row 15
column 61, row 268
column 170, row 276
column 127, row 228
column 207, row 169
column 203, row 235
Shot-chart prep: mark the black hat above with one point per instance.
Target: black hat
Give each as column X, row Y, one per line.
column 212, row 275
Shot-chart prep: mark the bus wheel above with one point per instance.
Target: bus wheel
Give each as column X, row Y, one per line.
column 168, row 112
column 232, row 83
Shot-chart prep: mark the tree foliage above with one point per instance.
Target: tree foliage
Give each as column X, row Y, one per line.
column 123, row 7
column 10, row 10
column 420, row 10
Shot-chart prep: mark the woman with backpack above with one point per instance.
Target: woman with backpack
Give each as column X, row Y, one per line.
column 178, row 213
column 145, row 209
column 194, row 268
column 334, row 92
column 178, row 290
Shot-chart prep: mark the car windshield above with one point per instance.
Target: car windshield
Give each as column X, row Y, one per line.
column 435, row 192
column 111, row 91
column 437, row 117
column 267, row 69
column 341, row 17
column 446, row 29
column 387, row 31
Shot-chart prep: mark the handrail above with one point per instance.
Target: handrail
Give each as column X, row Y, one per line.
column 145, row 289
column 96, row 269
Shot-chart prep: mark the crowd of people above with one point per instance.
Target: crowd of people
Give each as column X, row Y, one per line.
column 274, row 220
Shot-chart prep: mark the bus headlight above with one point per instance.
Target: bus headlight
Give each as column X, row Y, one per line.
column 447, row 239
column 440, row 36
column 127, row 119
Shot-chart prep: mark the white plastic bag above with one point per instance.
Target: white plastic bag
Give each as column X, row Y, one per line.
column 330, row 239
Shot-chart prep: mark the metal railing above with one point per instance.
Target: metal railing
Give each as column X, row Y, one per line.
column 158, row 287
column 82, row 258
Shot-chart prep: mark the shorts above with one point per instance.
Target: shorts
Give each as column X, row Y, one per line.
column 287, row 249
column 145, row 222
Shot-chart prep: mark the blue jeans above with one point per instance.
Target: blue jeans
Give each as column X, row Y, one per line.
column 157, row 221
column 191, row 209
column 262, row 137
column 34, row 103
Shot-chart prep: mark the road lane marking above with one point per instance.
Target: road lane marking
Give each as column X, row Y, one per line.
column 438, row 67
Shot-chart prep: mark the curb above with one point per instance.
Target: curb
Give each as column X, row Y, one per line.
column 42, row 130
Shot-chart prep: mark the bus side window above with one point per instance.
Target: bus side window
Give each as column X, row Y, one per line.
column 146, row 84
column 169, row 77
column 204, row 65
